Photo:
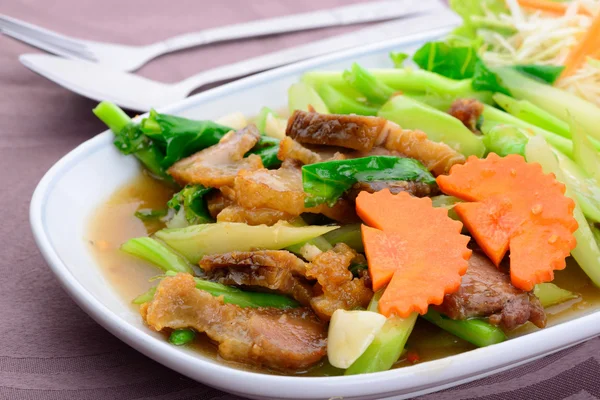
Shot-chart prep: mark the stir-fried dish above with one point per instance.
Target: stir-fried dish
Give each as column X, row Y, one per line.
column 446, row 196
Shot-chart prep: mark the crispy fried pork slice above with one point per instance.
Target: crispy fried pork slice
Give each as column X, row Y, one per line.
column 216, row 202
column 218, row 165
column 486, row 291
column 291, row 339
column 350, row 131
column 278, row 270
column 279, row 189
column 254, row 216
column 468, row 112
column 365, row 133
column 417, row 189
column 336, row 284
column 375, row 151
column 282, row 190
column 436, row 157
column 289, row 149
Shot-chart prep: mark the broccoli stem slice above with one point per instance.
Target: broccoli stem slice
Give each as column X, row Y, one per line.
column 475, row 331
column 112, row 115
column 156, row 253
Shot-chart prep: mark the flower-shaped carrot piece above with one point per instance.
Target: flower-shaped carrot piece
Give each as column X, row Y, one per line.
column 515, row 205
column 413, row 248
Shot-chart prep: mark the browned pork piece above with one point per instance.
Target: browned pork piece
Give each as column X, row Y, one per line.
column 218, row 165
column 282, row 190
column 486, row 291
column 468, row 112
column 350, row 131
column 277, row 270
column 417, row 189
column 279, row 189
column 436, row 157
column 254, row 216
column 217, row 202
column 289, row 149
column 366, row 133
column 291, row 339
column 339, row 289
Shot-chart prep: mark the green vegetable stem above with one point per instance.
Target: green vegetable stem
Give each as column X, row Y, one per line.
column 475, row 331
column 195, row 241
column 233, row 295
column 156, row 253
column 439, row 126
column 179, row 337
column 388, row 345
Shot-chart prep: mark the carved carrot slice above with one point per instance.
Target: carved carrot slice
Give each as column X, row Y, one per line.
column 515, row 206
column 413, row 248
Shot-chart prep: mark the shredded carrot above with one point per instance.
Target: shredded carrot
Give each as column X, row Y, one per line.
column 588, row 45
column 514, row 205
column 550, row 6
column 413, row 248
column 595, row 54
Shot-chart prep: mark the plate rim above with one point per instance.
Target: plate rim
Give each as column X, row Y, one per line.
column 418, row 379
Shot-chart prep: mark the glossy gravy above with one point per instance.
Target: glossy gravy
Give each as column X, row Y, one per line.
column 114, row 223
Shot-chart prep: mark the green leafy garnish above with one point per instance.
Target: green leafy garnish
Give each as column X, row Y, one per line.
column 325, row 182
column 504, row 140
column 486, row 80
column 191, row 200
column 546, row 73
column 449, row 61
column 458, row 62
column 398, row 58
column 267, row 148
column 181, row 137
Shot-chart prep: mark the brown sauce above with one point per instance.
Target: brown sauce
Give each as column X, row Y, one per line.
column 114, row 223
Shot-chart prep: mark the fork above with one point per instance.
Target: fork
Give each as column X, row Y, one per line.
column 130, row 58
column 134, row 92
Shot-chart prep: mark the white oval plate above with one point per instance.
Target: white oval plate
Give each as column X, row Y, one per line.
column 88, row 175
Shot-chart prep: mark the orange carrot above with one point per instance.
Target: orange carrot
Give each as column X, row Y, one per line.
column 550, row 6
column 514, row 205
column 587, row 45
column 413, row 248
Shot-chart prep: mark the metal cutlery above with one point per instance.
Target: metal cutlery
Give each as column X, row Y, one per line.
column 130, row 58
column 137, row 93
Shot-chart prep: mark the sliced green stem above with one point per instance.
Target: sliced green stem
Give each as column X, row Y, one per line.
column 145, row 297
column 233, row 295
column 112, row 115
column 156, row 253
column 529, row 112
column 179, row 337
column 475, row 331
column 349, row 234
column 386, row 348
column 550, row 294
column 338, row 103
column 320, row 241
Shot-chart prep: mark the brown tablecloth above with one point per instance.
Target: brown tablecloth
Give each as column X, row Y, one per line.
column 50, row 349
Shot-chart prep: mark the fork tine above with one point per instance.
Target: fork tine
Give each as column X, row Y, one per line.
column 49, row 47
column 25, row 28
